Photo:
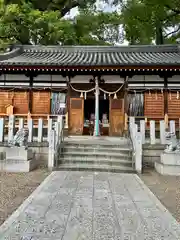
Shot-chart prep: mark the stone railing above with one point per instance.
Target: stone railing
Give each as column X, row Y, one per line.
column 136, row 138
column 39, row 128
column 56, row 143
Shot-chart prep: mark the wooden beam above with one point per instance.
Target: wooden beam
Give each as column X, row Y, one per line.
column 31, row 78
column 165, row 95
column 125, row 95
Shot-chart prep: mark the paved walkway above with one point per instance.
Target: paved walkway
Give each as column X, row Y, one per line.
column 91, row 206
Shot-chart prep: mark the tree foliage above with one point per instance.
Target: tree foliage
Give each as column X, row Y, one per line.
column 146, row 20
column 41, row 22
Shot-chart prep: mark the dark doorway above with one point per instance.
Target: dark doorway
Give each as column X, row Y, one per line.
column 89, row 108
column 89, row 111
column 103, row 109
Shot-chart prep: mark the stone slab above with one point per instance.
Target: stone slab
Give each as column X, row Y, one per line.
column 18, row 153
column 14, row 165
column 164, row 169
column 170, row 159
column 86, row 205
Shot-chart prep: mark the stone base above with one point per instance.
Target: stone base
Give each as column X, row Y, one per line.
column 164, row 169
column 17, row 165
column 170, row 159
column 18, row 153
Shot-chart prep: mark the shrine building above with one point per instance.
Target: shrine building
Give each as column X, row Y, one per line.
column 105, row 83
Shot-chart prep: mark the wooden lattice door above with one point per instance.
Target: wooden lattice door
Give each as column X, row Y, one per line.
column 76, row 112
column 116, row 117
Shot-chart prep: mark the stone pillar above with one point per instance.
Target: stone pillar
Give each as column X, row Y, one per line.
column 11, row 126
column 1, row 129
column 138, row 153
column 30, row 127
column 152, row 132
column 96, row 127
column 50, row 125
column 172, row 126
column 51, row 154
column 40, row 130
column 162, row 132
column 131, row 120
column 142, row 130
column 21, row 123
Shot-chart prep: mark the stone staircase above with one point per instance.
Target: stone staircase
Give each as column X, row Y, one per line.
column 96, row 155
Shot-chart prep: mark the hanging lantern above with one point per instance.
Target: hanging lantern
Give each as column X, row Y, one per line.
column 162, row 91
column 81, row 96
column 149, row 92
column 85, row 95
column 104, row 96
column 115, row 96
column 177, row 94
column 170, row 95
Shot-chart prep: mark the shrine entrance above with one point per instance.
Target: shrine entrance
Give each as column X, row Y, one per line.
column 89, row 116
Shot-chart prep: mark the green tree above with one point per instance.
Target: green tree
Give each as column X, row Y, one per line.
column 26, row 24
column 62, row 6
column 145, row 20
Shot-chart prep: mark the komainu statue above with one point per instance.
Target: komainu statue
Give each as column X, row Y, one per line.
column 172, row 143
column 21, row 138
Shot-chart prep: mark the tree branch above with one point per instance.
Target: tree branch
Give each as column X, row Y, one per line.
column 173, row 32
column 177, row 11
column 66, row 9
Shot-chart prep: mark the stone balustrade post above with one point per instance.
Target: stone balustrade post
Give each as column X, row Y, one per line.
column 162, row 132
column 50, row 126
column 142, row 130
column 30, row 127
column 172, row 126
column 21, row 123
column 40, row 130
column 51, row 153
column 152, row 132
column 11, row 127
column 138, row 152
column 2, row 129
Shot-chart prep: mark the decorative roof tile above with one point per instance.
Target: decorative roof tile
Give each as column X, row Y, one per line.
column 74, row 56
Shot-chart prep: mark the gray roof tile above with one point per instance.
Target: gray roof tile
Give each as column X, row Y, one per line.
column 91, row 55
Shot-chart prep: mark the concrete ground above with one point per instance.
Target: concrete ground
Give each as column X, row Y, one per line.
column 86, row 206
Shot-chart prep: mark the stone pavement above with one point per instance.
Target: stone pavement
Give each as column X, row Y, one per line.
column 91, row 206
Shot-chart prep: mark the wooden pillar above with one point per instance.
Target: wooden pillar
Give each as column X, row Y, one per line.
column 96, row 127
column 126, row 104
column 166, row 101
column 31, row 78
column 68, row 104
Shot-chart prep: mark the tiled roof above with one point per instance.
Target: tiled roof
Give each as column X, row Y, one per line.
column 74, row 56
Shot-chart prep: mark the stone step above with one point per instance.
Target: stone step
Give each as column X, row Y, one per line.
column 92, row 161
column 96, row 145
column 69, row 148
column 96, row 155
column 94, row 168
column 165, row 169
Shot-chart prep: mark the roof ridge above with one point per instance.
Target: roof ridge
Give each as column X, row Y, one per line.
column 11, row 54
